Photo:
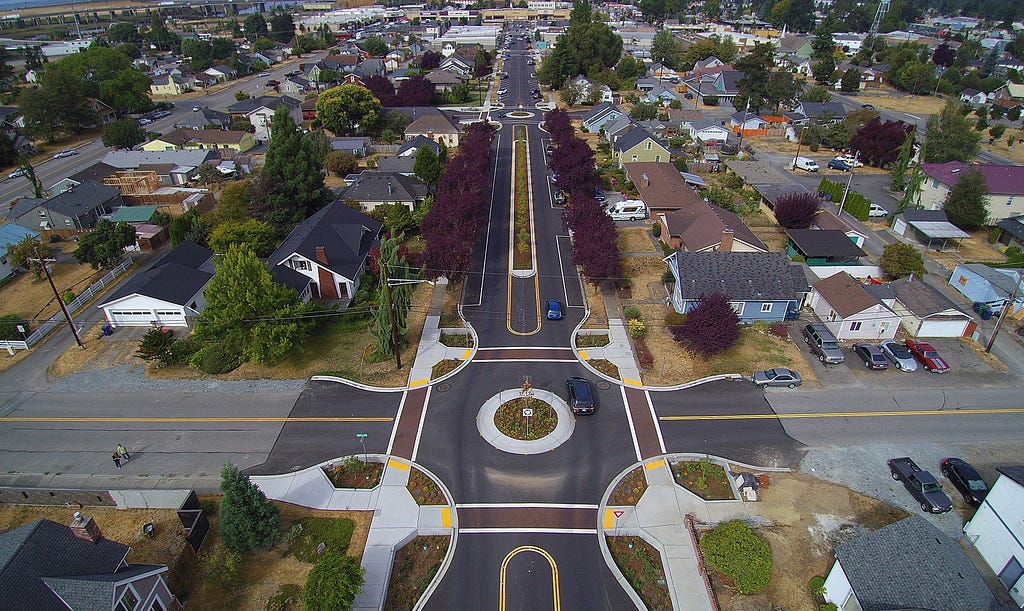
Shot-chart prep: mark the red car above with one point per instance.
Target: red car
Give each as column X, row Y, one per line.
column 928, row 355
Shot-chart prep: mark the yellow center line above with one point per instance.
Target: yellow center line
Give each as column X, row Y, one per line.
column 869, row 414
column 554, row 574
column 187, row 419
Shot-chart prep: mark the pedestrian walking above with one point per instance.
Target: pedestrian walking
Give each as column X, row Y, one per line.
column 117, row 459
column 123, row 451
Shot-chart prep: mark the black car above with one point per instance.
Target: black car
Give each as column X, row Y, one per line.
column 966, row 480
column 581, row 395
column 871, row 355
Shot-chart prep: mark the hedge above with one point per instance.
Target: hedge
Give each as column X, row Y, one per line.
column 856, row 204
column 733, row 548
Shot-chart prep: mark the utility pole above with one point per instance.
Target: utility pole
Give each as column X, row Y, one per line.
column 846, row 191
column 799, row 141
column 743, row 125
column 391, row 310
column 1002, row 314
column 63, row 306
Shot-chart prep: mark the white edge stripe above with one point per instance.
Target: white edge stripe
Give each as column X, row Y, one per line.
column 654, row 419
column 629, row 418
column 419, row 428
column 509, row 531
column 533, row 505
column 398, row 418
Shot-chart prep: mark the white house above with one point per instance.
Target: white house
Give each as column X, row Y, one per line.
column 923, row 310
column 973, row 96
column 850, row 312
column 706, row 130
column 997, row 530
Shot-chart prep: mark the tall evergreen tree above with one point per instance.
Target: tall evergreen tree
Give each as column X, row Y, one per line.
column 950, row 136
column 397, row 270
column 965, row 204
column 295, row 169
column 427, row 166
column 899, row 168
column 248, row 520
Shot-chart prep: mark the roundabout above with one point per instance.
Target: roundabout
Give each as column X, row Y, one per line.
column 532, row 424
column 518, row 114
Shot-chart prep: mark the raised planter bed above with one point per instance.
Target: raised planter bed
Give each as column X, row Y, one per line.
column 640, row 564
column 355, row 473
column 443, row 367
column 522, row 257
column 457, row 340
column 706, row 479
column 606, row 367
column 591, row 340
column 512, row 423
column 414, row 567
column 424, row 489
column 630, row 488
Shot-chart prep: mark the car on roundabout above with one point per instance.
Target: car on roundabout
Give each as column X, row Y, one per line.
column 581, row 395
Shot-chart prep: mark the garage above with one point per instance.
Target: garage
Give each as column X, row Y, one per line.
column 130, row 318
column 952, row 326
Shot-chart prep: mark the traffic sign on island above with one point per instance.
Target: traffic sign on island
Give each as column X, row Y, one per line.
column 618, row 513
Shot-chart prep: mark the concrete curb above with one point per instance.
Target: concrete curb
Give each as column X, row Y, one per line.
column 498, row 440
column 360, row 386
column 603, row 544
column 697, row 382
column 436, row 581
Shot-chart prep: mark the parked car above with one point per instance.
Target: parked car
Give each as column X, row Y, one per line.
column 554, row 310
column 850, row 160
column 966, row 479
column 195, row 108
column 871, row 355
column 928, row 356
column 581, row 395
column 599, row 195
column 503, row 91
column 868, row 106
column 823, row 344
column 18, row 173
column 805, row 163
column 876, row 210
column 921, row 484
column 145, row 121
column 549, row 149
column 262, row 74
column 839, row 164
column 779, row 376
column 899, row 355
column 559, row 197
column 65, row 153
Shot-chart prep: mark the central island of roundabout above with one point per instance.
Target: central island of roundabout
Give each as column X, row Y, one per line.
column 525, row 421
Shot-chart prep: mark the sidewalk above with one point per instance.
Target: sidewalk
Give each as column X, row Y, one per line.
column 431, row 351
column 619, row 350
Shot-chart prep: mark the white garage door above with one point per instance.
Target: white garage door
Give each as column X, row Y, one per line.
column 942, row 328
column 130, row 318
column 171, row 318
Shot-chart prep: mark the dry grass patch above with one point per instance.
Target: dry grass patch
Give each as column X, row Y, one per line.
column 97, row 355
column 774, row 237
column 598, row 313
column 913, row 104
column 810, row 516
column 635, row 239
column 643, row 272
column 34, row 299
column 974, row 248
column 450, row 318
column 1014, row 152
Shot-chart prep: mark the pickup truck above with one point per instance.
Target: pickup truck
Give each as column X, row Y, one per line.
column 921, row 484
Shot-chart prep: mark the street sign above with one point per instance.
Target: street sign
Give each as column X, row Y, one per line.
column 360, row 435
column 527, row 411
column 618, row 513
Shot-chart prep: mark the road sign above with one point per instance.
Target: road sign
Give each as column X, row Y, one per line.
column 360, row 435
column 618, row 513
column 527, row 411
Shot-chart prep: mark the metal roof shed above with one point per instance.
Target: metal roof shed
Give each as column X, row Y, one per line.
column 932, row 231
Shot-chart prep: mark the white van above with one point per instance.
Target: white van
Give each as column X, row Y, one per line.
column 806, row 163
column 628, row 210
column 876, row 210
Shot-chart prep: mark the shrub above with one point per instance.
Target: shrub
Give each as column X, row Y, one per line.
column 828, row 607
column 247, row 519
column 667, row 277
column 797, row 210
column 68, row 296
column 632, row 313
column 900, row 259
column 780, row 330
column 711, row 327
column 817, row 585
column 156, row 345
column 9, row 326
column 288, row 597
column 218, row 358
column 733, row 548
column 656, row 230
column 637, row 328
column 333, row 583
column 644, row 353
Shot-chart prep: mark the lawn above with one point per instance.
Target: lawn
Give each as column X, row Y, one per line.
column 34, row 300
column 645, row 274
column 598, row 314
column 974, row 248
column 636, row 240
column 523, row 254
column 920, row 105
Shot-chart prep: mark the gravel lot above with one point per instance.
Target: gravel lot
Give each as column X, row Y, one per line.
column 129, row 378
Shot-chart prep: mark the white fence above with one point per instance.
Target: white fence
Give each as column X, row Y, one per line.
column 857, row 271
column 58, row 319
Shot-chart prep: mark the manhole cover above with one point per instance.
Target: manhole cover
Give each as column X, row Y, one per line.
column 603, row 385
column 443, row 387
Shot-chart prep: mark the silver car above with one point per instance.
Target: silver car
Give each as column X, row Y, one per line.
column 779, row 376
column 899, row 355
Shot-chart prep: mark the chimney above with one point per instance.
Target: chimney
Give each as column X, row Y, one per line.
column 321, row 255
column 645, row 180
column 85, row 528
column 726, row 245
column 391, row 188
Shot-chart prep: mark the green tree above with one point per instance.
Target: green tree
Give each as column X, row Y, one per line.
column 950, row 136
column 248, row 521
column 398, row 269
column 189, row 226
column 104, row 245
column 340, row 163
column 900, row 259
column 8, row 154
column 258, row 235
column 965, row 205
column 823, row 54
column 850, row 82
column 375, row 46
column 56, row 107
column 156, row 345
column 123, row 134
column 295, row 169
column 29, row 252
column 817, row 93
column 902, row 164
column 665, row 49
column 893, row 19
column 996, row 131
column 124, row 32
column 255, row 27
column 233, row 203
column 628, row 67
column 348, row 110
column 333, row 583
column 160, row 37
column 753, row 86
column 250, row 314
column 427, row 167
column 581, row 13
column 282, row 26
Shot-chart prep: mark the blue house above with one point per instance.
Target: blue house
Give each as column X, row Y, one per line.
column 11, row 234
column 979, row 282
column 760, row 285
column 600, row 115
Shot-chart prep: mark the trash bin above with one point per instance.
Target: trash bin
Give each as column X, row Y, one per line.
column 108, row 329
column 148, row 529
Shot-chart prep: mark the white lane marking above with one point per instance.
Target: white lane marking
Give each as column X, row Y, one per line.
column 915, row 117
column 398, row 418
column 480, row 360
column 632, row 429
column 419, row 431
column 551, row 531
column 514, row 505
column 559, row 348
column 654, row 419
column 562, row 273
column 487, row 235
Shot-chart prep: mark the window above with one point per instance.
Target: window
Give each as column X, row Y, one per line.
column 156, row 606
column 657, row 157
column 648, row 146
column 766, row 307
column 855, row 326
column 1009, row 201
column 301, row 264
column 128, row 600
column 634, row 157
column 737, row 306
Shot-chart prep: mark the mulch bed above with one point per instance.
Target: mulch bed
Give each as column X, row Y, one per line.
column 606, row 367
column 591, row 341
column 354, row 473
column 424, row 490
column 510, row 420
column 706, row 479
column 630, row 488
column 443, row 368
column 413, row 569
column 457, row 340
column 641, row 566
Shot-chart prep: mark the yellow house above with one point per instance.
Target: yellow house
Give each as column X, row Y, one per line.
column 167, row 85
column 214, row 139
column 638, row 145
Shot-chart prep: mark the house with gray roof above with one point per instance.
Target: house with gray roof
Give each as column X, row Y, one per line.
column 907, row 565
column 823, row 247
column 991, row 285
column 759, row 285
column 330, row 249
column 45, row 565
column 601, row 114
column 76, row 209
column 172, row 167
column 203, row 118
column 260, row 112
column 822, row 112
column 638, row 145
column 400, row 165
column 410, row 148
column 374, row 188
column 923, row 310
column 438, row 127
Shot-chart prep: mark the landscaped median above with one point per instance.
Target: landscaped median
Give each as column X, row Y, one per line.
column 522, row 215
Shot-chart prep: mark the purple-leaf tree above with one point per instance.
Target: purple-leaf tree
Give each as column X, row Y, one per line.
column 415, row 91
column 797, row 210
column 382, row 89
column 879, row 143
column 557, row 123
column 430, row 60
column 711, row 327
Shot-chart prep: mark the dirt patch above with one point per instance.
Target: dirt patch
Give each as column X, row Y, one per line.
column 34, row 300
column 450, row 318
column 774, row 237
column 920, row 105
column 414, row 567
column 974, row 248
column 598, row 314
column 635, row 239
column 809, row 517
column 97, row 355
column 645, row 274
column 1014, row 152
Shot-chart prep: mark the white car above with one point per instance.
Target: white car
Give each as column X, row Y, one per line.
column 264, row 74
column 503, row 91
column 899, row 355
column 145, row 121
column 65, row 153
column 849, row 160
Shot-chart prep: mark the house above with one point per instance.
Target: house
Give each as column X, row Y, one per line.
column 616, row 127
column 167, row 294
column 410, row 148
column 233, row 142
column 204, row 118
column 707, row 63
column 308, row 107
column 171, row 167
column 1011, row 231
column 352, row 146
column 46, row 565
column 295, row 85
column 598, row 116
column 661, row 186
column 400, row 165
column 997, row 530
column 795, row 44
column 927, row 226
column 167, row 84
column 979, row 282
column 823, row 247
column 748, row 124
column 923, row 310
column 1015, row 91
column 104, row 112
column 850, row 312
column 661, row 96
column 759, row 285
column 907, row 565
column 458, row 65
column 709, row 132
column 260, row 112
column 221, row 73
column 435, row 126
column 135, row 215
column 720, row 82
column 822, row 112
column 637, row 145
column 443, row 80
column 370, row 67
column 11, row 234
column 705, row 227
column 374, row 188
column 973, row 96
column 825, row 219
column 1005, row 187
column 76, row 209
column 330, row 249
